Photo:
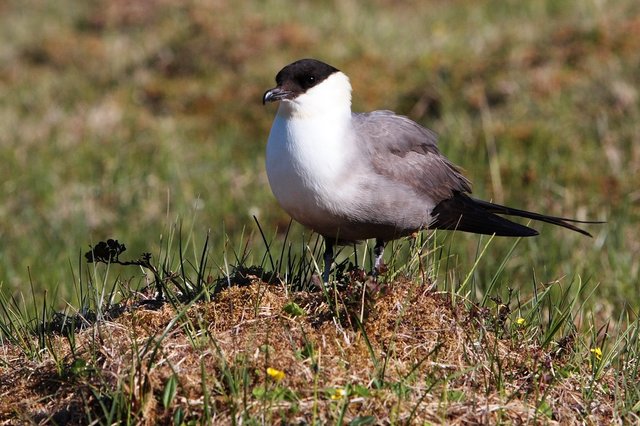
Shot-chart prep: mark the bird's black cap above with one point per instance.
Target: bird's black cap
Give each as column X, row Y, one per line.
column 298, row 77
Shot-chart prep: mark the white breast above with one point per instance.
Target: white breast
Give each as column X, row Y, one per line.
column 308, row 167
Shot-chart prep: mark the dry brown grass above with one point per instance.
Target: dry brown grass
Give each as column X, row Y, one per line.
column 427, row 360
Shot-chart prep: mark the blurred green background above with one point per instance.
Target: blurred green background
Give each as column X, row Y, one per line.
column 119, row 118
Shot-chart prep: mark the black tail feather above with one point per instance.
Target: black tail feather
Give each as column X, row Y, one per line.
column 467, row 214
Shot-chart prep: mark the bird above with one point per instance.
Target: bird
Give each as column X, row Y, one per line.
column 352, row 176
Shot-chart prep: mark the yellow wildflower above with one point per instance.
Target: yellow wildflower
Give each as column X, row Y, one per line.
column 597, row 352
column 521, row 321
column 275, row 374
column 339, row 393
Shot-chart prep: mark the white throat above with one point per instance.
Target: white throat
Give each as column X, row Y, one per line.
column 310, row 149
column 330, row 97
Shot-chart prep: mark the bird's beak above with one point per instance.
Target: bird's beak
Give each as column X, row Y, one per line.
column 275, row 94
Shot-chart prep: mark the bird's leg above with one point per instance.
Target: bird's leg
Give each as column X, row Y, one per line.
column 378, row 251
column 328, row 258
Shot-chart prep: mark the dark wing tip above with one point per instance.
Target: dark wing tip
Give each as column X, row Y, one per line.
column 462, row 214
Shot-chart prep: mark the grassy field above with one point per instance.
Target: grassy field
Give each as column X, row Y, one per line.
column 134, row 119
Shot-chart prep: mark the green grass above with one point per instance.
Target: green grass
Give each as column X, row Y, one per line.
column 133, row 121
column 237, row 349
column 118, row 119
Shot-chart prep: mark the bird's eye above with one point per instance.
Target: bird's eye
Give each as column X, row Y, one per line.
column 305, row 81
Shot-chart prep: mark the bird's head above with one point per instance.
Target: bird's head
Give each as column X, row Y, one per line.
column 308, row 87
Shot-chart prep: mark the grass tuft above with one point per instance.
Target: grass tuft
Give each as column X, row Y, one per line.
column 259, row 348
